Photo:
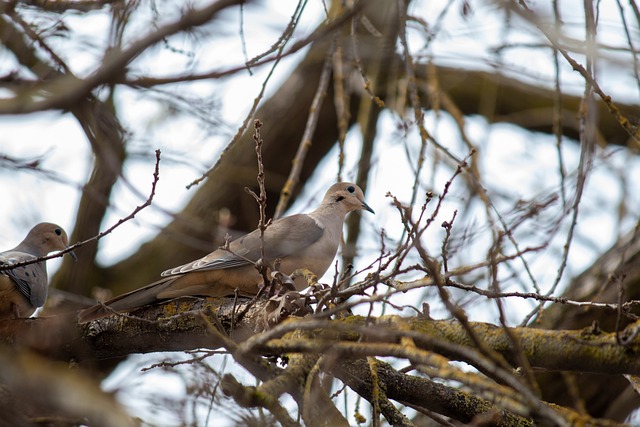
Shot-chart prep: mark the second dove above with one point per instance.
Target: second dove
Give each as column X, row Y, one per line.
column 299, row 241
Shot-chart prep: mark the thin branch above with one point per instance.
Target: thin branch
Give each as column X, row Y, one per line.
column 156, row 178
column 261, row 265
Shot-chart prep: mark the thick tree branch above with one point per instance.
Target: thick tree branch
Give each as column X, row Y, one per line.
column 148, row 328
column 502, row 99
column 181, row 325
column 409, row 389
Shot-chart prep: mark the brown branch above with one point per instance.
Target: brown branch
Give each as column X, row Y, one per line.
column 243, row 127
column 261, row 265
column 352, row 337
column 529, row 106
column 420, row 391
column 582, row 351
column 252, row 397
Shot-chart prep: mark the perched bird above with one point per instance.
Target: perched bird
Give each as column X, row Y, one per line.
column 23, row 289
column 299, row 241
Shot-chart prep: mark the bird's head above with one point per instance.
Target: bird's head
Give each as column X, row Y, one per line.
column 348, row 195
column 47, row 237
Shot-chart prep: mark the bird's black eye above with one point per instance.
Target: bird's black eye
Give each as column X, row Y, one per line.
column 58, row 231
column 351, row 189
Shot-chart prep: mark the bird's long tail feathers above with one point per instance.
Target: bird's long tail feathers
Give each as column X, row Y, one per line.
column 127, row 302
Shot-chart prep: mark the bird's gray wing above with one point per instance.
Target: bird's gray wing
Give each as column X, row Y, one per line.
column 30, row 279
column 283, row 237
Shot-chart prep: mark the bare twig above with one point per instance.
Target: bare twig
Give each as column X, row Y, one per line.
column 447, row 225
column 156, row 178
column 284, row 38
column 261, row 265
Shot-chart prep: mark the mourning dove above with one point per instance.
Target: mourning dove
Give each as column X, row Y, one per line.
column 23, row 289
column 298, row 241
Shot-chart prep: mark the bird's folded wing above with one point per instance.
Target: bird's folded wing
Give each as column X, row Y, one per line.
column 283, row 237
column 30, row 279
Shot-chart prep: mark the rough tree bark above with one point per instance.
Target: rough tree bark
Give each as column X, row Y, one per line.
column 215, row 323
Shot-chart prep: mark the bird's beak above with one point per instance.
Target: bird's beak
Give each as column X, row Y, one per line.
column 366, row 207
column 73, row 255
